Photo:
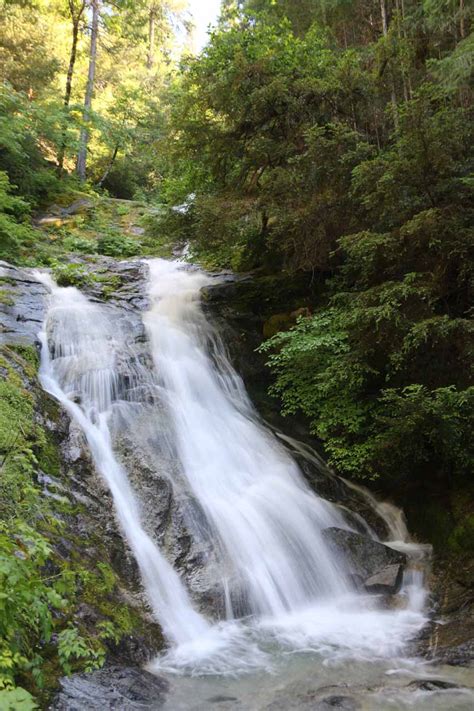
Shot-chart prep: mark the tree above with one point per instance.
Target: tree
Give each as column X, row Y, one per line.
column 84, row 137
column 76, row 11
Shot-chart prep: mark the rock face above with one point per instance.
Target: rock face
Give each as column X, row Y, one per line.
column 378, row 568
column 241, row 307
column 449, row 638
column 23, row 306
column 124, row 688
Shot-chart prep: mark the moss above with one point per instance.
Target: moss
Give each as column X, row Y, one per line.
column 109, row 284
column 47, row 455
column 29, row 357
column 283, row 321
column 19, row 434
column 6, row 298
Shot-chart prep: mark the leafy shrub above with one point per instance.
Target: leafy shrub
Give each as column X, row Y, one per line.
column 39, row 590
column 71, row 274
column 15, row 233
column 115, row 244
column 79, row 244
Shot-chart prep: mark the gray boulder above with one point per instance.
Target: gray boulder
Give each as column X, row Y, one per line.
column 388, row 580
column 375, row 566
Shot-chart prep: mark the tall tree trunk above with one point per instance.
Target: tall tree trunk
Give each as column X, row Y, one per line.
column 462, row 26
column 402, row 65
column 151, row 36
column 109, row 166
column 76, row 16
column 393, row 95
column 84, row 137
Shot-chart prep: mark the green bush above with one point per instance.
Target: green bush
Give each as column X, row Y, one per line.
column 115, row 244
column 79, row 244
column 71, row 274
column 15, row 232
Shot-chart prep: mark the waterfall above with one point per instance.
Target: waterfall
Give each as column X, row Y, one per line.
column 266, row 520
column 283, row 585
column 80, row 349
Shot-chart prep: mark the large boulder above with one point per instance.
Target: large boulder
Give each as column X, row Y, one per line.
column 378, row 568
column 113, row 687
column 388, row 580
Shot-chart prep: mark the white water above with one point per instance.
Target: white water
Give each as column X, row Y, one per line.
column 261, row 516
column 79, row 360
column 266, row 520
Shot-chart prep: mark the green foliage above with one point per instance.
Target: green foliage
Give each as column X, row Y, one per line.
column 383, row 373
column 74, row 651
column 27, row 603
column 71, row 274
column 40, row 591
column 15, row 233
column 115, row 244
column 79, row 244
column 462, row 538
column 24, row 127
column 16, row 699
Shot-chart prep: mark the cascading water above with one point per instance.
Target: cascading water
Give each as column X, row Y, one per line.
column 266, row 521
column 284, row 587
column 80, row 347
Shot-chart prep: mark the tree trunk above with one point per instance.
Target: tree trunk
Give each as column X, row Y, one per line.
column 76, row 19
column 462, row 26
column 109, row 166
column 393, row 96
column 402, row 66
column 84, row 137
column 383, row 12
column 151, row 37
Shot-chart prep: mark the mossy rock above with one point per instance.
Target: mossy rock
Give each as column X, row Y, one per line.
column 283, row 321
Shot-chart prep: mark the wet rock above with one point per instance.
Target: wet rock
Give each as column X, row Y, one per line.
column 450, row 636
column 386, row 581
column 314, row 699
column 23, row 312
column 343, row 703
column 432, row 685
column 356, row 509
column 378, row 565
column 114, row 687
